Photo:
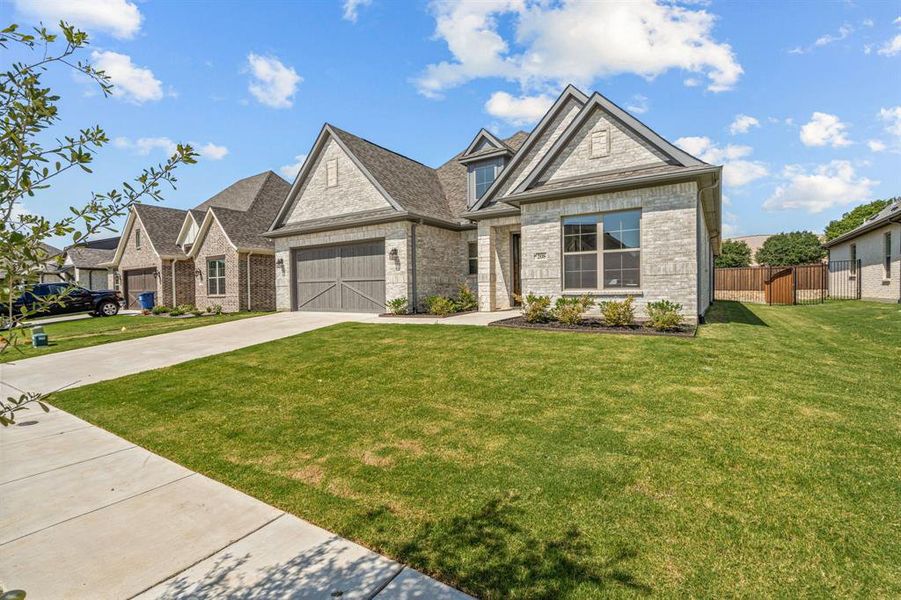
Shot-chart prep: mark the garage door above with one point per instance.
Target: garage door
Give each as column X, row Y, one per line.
column 348, row 278
column 138, row 281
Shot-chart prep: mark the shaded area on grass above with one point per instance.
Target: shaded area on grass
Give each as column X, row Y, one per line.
column 728, row 311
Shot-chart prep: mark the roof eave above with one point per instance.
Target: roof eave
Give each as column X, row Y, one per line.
column 375, row 220
column 619, row 184
column 865, row 228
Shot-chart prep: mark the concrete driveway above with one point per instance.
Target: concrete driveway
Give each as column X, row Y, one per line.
column 87, row 514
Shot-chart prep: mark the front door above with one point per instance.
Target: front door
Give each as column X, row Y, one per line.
column 514, row 259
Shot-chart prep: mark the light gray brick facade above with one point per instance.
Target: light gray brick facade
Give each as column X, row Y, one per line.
column 874, row 285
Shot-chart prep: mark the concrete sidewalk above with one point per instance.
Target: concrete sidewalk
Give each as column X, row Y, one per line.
column 86, row 514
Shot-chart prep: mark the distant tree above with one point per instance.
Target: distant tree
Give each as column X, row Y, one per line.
column 734, row 253
column 855, row 218
column 795, row 248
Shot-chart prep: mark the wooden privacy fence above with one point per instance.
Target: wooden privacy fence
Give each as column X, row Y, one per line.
column 800, row 284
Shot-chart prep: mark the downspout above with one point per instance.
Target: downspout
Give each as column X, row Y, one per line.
column 414, row 303
column 248, row 280
column 701, row 190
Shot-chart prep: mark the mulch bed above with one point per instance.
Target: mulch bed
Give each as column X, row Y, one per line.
column 426, row 315
column 593, row 326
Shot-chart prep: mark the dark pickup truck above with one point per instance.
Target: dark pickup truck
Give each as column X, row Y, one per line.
column 65, row 298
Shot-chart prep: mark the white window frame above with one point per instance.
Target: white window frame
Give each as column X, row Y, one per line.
column 216, row 280
column 599, row 252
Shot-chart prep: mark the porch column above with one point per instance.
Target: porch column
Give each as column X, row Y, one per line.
column 486, row 267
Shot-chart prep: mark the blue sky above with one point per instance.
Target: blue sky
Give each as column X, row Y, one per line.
column 800, row 101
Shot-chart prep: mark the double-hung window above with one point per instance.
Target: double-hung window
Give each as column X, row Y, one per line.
column 608, row 244
column 887, row 261
column 215, row 276
column 484, row 177
column 473, row 250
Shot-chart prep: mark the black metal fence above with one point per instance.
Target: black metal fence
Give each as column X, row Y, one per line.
column 844, row 279
column 799, row 284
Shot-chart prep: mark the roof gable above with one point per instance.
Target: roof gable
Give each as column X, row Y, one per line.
column 604, row 138
column 568, row 97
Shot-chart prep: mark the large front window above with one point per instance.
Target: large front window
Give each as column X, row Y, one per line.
column 215, row 276
column 617, row 258
column 484, row 176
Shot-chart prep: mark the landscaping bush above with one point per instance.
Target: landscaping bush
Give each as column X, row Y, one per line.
column 570, row 311
column 215, row 309
column 618, row 313
column 397, row 306
column 176, row 312
column 466, row 299
column 535, row 308
column 160, row 310
column 441, row 306
column 664, row 315
column 183, row 309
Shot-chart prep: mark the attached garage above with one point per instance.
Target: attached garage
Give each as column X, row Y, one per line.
column 138, row 281
column 345, row 278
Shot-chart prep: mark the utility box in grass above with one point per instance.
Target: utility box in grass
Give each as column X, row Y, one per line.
column 39, row 339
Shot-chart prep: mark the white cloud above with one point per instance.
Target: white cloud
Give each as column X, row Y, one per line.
column 574, row 42
column 736, row 172
column 290, row 171
column 692, row 82
column 120, row 18
column 131, row 82
column 146, row 145
column 211, row 151
column 274, row 83
column 742, row 124
column 826, row 186
column 824, row 40
column 351, row 8
column 517, row 111
column 892, row 119
column 891, row 47
column 639, row 105
column 876, row 145
column 824, row 129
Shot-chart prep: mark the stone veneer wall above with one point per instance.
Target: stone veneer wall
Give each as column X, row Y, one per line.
column 669, row 264
column 352, row 193
column 440, row 262
column 871, row 252
column 398, row 272
column 626, row 150
column 495, row 284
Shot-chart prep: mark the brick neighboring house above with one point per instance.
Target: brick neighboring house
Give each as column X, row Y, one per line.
column 877, row 244
column 590, row 201
column 170, row 251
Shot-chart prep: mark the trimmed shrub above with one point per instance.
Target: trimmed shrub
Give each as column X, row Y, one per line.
column 535, row 308
column 466, row 299
column 214, row 309
column 664, row 315
column 618, row 313
column 397, row 306
column 176, row 312
column 441, row 306
column 160, row 310
column 570, row 311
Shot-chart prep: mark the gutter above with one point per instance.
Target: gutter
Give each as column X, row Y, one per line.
column 631, row 182
column 391, row 218
column 700, row 216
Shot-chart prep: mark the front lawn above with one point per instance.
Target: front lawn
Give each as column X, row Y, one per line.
column 69, row 335
column 761, row 458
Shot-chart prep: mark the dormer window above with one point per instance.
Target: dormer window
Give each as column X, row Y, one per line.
column 485, row 175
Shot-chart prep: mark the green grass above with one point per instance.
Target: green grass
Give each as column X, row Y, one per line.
column 69, row 335
column 761, row 458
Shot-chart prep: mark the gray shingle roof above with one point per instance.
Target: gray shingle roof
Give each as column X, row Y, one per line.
column 89, row 258
column 411, row 184
column 891, row 212
column 239, row 195
column 245, row 228
column 162, row 225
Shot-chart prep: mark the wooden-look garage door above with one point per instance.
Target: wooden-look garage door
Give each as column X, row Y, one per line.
column 138, row 281
column 347, row 278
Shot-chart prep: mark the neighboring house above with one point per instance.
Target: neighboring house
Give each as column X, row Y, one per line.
column 50, row 265
column 210, row 255
column 89, row 264
column 590, row 201
column 876, row 243
column 754, row 242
